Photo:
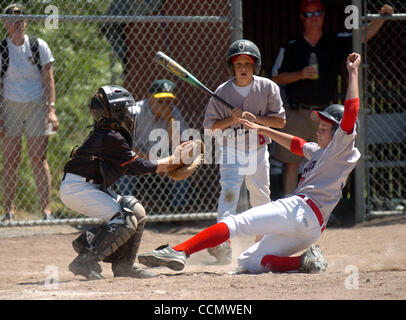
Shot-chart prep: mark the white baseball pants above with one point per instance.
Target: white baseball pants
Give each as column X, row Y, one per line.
column 253, row 166
column 289, row 225
column 87, row 198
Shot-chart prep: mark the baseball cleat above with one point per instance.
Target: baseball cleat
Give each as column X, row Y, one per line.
column 83, row 265
column 130, row 270
column 222, row 253
column 164, row 256
column 313, row 261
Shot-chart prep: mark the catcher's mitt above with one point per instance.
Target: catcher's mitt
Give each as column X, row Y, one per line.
column 190, row 159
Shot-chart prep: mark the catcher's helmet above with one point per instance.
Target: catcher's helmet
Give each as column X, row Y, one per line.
column 244, row 47
column 114, row 105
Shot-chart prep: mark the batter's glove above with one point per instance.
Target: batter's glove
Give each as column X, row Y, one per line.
column 190, row 155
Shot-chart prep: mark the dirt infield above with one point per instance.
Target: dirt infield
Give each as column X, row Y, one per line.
column 366, row 262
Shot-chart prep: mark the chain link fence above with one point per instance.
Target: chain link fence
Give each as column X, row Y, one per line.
column 384, row 88
column 98, row 42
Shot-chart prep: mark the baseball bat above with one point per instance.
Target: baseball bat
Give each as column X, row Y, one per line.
column 172, row 66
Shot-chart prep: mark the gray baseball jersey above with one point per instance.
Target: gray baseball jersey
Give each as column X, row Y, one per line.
column 326, row 171
column 263, row 100
column 146, row 122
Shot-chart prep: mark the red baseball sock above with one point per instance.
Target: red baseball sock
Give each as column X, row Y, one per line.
column 281, row 264
column 208, row 238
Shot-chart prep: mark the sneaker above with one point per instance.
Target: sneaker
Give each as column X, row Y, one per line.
column 313, row 261
column 222, row 253
column 8, row 217
column 48, row 217
column 130, row 270
column 84, row 265
column 164, row 256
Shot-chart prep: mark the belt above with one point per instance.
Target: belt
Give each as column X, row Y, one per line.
column 80, row 178
column 316, row 210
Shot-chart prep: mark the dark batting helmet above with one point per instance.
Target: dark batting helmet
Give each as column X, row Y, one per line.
column 114, row 105
column 334, row 114
column 244, row 47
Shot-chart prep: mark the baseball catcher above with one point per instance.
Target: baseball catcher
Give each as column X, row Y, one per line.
column 104, row 156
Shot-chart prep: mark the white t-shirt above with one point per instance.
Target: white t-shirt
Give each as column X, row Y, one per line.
column 22, row 82
column 243, row 91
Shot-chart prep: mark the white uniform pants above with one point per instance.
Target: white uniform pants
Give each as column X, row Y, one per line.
column 289, row 225
column 251, row 165
column 87, row 198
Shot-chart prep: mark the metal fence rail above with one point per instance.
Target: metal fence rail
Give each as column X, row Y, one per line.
column 99, row 42
column 117, row 19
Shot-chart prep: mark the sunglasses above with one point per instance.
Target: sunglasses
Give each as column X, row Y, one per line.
column 14, row 11
column 309, row 14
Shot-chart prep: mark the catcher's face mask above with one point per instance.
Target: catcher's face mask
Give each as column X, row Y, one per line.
column 130, row 121
column 117, row 106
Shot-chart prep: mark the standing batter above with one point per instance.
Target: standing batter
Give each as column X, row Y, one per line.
column 291, row 224
column 256, row 99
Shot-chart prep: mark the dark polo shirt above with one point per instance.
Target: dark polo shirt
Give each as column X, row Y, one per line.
column 331, row 50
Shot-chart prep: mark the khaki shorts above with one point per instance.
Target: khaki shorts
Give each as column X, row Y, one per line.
column 300, row 124
column 30, row 118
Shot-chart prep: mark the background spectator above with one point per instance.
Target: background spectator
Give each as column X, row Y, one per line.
column 28, row 106
column 310, row 85
column 158, row 112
